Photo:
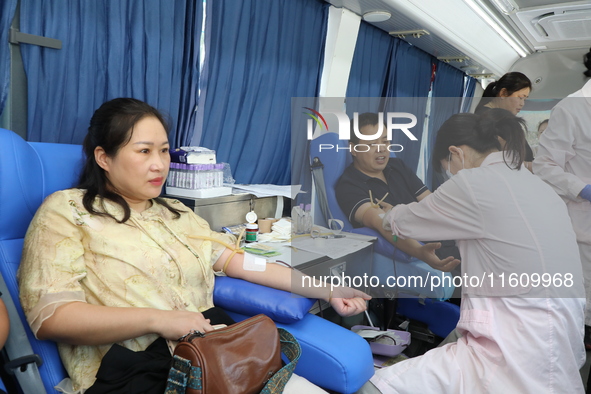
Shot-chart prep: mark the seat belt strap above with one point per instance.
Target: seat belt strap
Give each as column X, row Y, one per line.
column 318, row 174
column 23, row 362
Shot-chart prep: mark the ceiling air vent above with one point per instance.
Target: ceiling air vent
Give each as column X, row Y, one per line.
column 569, row 25
column 562, row 25
column 535, row 23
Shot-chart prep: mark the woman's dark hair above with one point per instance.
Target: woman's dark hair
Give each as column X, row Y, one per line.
column 481, row 132
column 512, row 82
column 545, row 121
column 111, row 128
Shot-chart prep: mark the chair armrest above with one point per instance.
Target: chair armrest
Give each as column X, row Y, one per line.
column 240, row 296
column 333, row 357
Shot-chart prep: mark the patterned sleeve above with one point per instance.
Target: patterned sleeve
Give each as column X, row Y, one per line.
column 52, row 264
column 211, row 244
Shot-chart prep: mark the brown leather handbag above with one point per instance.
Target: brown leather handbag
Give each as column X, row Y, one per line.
column 244, row 358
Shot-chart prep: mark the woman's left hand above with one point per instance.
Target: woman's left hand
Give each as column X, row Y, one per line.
column 348, row 302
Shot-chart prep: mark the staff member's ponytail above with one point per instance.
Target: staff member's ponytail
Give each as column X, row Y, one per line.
column 496, row 129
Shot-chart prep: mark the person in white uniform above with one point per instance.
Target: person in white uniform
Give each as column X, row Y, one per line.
column 521, row 319
column 564, row 161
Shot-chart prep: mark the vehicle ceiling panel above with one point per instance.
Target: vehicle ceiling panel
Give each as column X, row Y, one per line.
column 435, row 44
column 539, row 25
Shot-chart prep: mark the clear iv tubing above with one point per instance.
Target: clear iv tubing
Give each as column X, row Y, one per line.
column 235, row 248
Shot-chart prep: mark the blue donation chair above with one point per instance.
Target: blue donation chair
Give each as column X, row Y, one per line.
column 332, row 357
column 418, row 303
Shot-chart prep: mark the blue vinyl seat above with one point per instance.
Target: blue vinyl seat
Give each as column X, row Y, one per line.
column 332, row 357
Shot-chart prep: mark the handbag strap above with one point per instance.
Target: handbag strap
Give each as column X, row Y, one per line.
column 183, row 375
column 292, row 350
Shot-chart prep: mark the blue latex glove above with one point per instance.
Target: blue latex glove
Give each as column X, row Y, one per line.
column 586, row 193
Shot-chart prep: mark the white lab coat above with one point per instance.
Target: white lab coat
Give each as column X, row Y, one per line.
column 564, row 161
column 516, row 339
column 564, row 156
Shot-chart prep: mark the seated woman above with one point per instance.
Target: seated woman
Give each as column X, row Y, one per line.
column 111, row 262
column 521, row 317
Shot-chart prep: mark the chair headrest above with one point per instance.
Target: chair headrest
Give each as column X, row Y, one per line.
column 335, row 157
column 28, row 173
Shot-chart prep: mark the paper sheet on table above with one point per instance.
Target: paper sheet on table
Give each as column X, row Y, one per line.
column 333, row 247
column 260, row 190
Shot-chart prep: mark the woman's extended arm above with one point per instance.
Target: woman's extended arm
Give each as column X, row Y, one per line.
column 346, row 301
column 79, row 323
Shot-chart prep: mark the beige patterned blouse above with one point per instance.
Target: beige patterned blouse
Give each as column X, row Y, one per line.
column 149, row 261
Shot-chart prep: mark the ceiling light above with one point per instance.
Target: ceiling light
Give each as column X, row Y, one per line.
column 376, row 16
column 494, row 23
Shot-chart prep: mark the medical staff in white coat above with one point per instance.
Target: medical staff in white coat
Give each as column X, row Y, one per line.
column 521, row 319
column 564, row 161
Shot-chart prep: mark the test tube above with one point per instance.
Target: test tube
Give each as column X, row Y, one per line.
column 170, row 173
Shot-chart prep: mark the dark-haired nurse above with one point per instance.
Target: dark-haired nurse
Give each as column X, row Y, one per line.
column 509, row 93
column 521, row 319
